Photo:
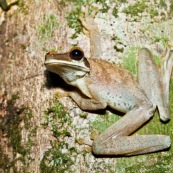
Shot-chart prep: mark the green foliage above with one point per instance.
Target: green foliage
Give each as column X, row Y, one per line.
column 104, row 4
column 83, row 115
column 163, row 3
column 142, row 6
column 135, row 9
column 122, row 1
column 102, row 122
column 49, row 24
column 72, row 16
column 130, row 60
column 73, row 21
column 159, row 165
column 157, row 60
column 163, row 39
column 115, row 12
column 55, row 160
column 153, row 13
column 171, row 9
column 58, row 158
column 57, row 118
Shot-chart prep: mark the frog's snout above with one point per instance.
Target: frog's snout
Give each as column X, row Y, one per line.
column 46, row 57
column 50, row 55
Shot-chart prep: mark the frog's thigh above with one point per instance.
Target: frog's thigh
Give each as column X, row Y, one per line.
column 87, row 103
column 115, row 140
column 149, row 75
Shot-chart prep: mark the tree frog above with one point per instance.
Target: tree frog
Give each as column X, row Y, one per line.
column 100, row 84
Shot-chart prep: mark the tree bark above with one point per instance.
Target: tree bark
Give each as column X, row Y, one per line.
column 29, row 113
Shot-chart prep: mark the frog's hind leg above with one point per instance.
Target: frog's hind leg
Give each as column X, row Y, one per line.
column 115, row 139
column 91, row 30
column 133, row 145
column 151, row 81
column 166, row 70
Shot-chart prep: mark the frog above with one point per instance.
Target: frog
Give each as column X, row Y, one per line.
column 100, row 84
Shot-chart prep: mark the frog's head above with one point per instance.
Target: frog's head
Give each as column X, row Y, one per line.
column 70, row 66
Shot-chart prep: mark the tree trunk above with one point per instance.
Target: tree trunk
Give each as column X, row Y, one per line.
column 40, row 132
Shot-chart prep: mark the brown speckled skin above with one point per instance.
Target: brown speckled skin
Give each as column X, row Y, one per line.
column 114, row 85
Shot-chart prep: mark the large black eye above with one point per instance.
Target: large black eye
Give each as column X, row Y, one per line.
column 76, row 54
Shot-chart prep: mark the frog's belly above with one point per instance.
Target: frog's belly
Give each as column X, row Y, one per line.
column 122, row 101
column 119, row 97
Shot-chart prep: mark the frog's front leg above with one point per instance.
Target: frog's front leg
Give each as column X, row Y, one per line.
column 86, row 103
column 115, row 139
column 90, row 29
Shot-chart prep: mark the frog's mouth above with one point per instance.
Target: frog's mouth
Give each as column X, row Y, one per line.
column 77, row 65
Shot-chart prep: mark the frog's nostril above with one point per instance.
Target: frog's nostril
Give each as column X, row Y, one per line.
column 50, row 54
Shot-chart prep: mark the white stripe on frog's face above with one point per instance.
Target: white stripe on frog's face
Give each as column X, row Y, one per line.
column 66, row 64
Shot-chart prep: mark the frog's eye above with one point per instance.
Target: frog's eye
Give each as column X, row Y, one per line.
column 76, row 54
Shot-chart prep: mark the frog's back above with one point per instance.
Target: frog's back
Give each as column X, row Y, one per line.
column 115, row 85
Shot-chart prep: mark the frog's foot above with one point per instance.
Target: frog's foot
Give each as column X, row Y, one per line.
column 87, row 20
column 91, row 30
